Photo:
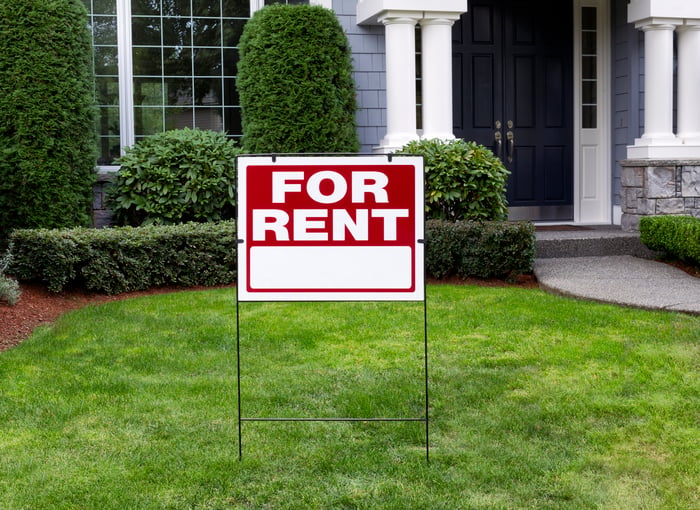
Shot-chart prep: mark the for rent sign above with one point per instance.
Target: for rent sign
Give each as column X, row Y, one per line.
column 330, row 228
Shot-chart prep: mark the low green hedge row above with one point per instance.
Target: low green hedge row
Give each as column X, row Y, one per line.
column 479, row 249
column 677, row 236
column 125, row 259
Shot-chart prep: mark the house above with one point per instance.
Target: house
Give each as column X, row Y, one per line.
column 592, row 104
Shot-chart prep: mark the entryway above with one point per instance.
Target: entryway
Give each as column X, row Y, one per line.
column 513, row 92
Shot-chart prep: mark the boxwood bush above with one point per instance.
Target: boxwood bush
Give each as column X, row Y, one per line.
column 124, row 259
column 295, row 82
column 47, row 115
column 479, row 249
column 175, row 177
column 463, row 180
column 677, row 236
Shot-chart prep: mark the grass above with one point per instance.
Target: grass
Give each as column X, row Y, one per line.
column 536, row 402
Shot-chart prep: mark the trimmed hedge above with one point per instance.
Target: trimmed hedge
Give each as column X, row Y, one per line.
column 174, row 177
column 48, row 145
column 479, row 249
column 295, row 82
column 125, row 259
column 677, row 236
column 463, row 180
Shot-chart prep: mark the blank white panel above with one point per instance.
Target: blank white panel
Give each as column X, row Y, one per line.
column 589, row 173
column 330, row 268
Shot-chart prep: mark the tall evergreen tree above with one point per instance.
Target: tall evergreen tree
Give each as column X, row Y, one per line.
column 295, row 82
column 47, row 114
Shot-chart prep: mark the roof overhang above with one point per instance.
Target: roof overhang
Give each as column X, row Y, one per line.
column 370, row 12
column 639, row 10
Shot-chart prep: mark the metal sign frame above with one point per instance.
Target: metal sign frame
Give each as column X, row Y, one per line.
column 334, row 165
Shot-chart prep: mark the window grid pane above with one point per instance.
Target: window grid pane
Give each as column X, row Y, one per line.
column 589, row 68
column 185, row 64
column 102, row 20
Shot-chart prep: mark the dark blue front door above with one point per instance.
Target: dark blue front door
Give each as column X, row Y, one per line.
column 513, row 70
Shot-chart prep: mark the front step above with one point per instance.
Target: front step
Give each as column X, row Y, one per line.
column 574, row 241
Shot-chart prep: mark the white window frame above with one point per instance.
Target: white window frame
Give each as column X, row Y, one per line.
column 126, row 78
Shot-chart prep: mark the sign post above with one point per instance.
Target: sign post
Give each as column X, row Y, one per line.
column 331, row 228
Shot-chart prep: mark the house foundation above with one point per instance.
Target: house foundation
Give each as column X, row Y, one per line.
column 656, row 187
column 101, row 215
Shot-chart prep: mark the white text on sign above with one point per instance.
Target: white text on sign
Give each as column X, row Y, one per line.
column 327, row 187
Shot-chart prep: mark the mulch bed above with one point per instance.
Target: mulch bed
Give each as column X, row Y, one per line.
column 38, row 306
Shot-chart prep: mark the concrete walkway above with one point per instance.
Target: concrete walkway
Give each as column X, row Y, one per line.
column 623, row 280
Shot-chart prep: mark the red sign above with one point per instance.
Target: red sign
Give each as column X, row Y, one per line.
column 330, row 228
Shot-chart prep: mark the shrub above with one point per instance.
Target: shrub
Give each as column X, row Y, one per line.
column 47, row 115
column 463, row 180
column 175, row 177
column 479, row 249
column 678, row 236
column 295, row 82
column 124, row 259
column 9, row 288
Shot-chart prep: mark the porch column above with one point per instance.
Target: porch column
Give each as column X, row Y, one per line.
column 400, row 82
column 436, row 78
column 689, row 82
column 658, row 79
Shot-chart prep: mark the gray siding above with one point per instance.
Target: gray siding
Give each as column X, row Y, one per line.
column 627, row 93
column 369, row 62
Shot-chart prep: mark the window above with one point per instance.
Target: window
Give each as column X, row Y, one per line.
column 165, row 64
column 184, row 55
column 103, row 24
column 589, row 68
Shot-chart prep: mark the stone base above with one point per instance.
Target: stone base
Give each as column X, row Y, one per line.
column 659, row 187
column 101, row 215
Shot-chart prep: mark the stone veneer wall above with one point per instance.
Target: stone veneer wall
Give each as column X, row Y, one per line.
column 653, row 188
column 101, row 215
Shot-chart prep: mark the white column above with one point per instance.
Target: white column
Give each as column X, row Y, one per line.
column 400, row 82
column 658, row 19
column 689, row 82
column 436, row 78
column 658, row 79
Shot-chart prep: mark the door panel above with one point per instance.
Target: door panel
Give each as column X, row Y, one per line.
column 514, row 77
column 479, row 73
column 483, row 91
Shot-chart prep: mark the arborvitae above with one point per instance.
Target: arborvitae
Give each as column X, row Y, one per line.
column 295, row 82
column 47, row 114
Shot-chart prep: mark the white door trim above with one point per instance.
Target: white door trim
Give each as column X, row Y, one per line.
column 592, row 161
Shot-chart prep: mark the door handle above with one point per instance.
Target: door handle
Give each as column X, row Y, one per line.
column 511, row 145
column 498, row 138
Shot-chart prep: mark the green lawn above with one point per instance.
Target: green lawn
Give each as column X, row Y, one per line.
column 536, row 402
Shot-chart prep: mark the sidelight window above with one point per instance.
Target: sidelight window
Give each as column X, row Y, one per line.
column 589, row 68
